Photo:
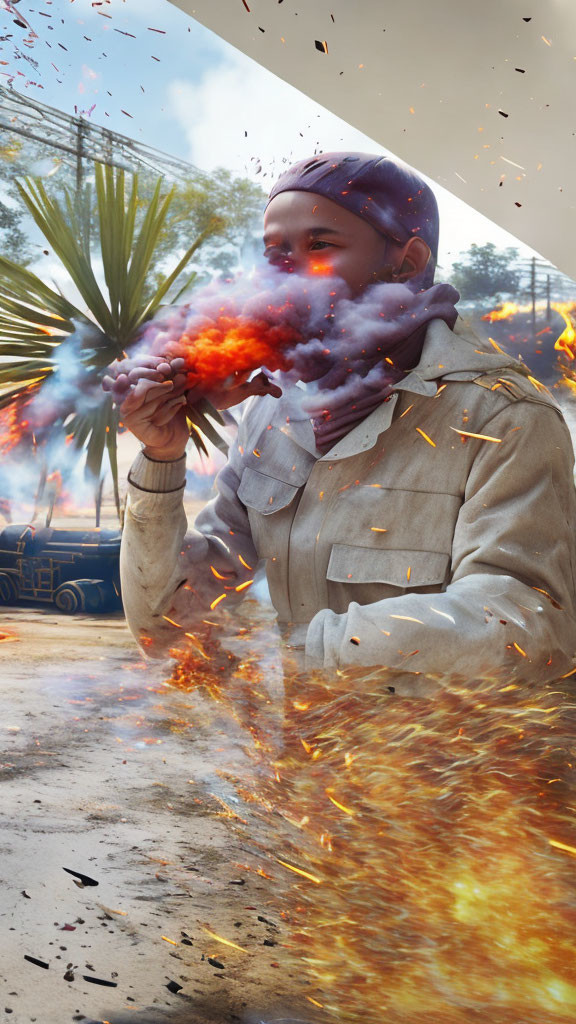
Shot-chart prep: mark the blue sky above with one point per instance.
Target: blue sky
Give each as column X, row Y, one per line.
column 100, row 59
column 200, row 99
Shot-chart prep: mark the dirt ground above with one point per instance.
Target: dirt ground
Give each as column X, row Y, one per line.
column 110, row 774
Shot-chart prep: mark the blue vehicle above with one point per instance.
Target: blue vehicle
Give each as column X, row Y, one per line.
column 76, row 569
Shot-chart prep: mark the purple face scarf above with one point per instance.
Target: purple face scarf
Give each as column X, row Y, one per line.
column 372, row 343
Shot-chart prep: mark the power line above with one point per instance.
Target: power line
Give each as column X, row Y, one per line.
column 78, row 139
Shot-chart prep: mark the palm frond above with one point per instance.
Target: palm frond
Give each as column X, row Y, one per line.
column 41, row 331
column 63, row 237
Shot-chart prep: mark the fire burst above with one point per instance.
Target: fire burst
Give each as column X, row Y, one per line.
column 13, row 427
column 231, row 347
column 425, row 848
column 565, row 343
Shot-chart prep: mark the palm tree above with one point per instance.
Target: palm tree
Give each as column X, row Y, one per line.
column 45, row 338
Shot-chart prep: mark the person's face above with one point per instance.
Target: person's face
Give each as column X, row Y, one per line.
column 309, row 234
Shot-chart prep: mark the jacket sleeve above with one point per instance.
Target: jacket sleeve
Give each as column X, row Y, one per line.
column 510, row 604
column 170, row 572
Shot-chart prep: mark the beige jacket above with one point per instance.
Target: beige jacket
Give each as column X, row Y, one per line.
column 409, row 545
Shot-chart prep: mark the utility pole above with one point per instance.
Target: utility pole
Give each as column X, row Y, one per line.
column 533, row 293
column 79, row 154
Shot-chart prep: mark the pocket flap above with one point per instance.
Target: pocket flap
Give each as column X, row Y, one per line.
column 406, row 569
column 264, row 493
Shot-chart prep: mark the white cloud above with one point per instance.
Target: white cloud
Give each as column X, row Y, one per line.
column 238, row 96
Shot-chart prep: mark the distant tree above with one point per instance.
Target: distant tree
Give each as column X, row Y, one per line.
column 239, row 203
column 485, row 272
column 14, row 241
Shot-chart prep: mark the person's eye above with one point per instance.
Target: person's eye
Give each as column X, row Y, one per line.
column 321, row 242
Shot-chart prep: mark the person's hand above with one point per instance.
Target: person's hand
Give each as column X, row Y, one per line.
column 124, row 374
column 150, row 393
column 235, row 390
column 153, row 394
column 155, row 412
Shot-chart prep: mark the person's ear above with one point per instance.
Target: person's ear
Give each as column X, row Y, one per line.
column 413, row 260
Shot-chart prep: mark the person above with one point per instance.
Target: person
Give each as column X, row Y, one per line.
column 425, row 524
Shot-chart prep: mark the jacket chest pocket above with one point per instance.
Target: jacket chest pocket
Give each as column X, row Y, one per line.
column 270, row 488
column 404, row 569
column 265, row 494
column 271, row 506
column 395, row 519
column 366, row 575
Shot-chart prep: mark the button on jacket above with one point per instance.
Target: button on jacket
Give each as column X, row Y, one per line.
column 411, row 544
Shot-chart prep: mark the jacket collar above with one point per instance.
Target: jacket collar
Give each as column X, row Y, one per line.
column 446, row 353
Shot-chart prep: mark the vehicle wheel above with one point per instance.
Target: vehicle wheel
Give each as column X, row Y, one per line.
column 69, row 598
column 84, row 596
column 109, row 597
column 8, row 589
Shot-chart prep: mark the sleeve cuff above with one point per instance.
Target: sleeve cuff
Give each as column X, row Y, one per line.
column 146, row 474
column 323, row 639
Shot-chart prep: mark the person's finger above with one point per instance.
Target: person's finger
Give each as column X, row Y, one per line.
column 150, row 389
column 144, row 373
column 194, row 394
column 121, row 381
column 146, row 404
column 120, row 366
column 144, row 392
column 168, row 411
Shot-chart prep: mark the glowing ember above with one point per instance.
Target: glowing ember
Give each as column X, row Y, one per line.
column 225, row 942
column 481, row 437
column 426, row 438
column 431, row 837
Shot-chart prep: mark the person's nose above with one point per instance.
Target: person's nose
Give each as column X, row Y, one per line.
column 294, row 261
column 286, row 263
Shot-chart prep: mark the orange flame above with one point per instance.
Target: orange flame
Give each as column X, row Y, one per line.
column 12, row 427
column 233, row 347
column 7, row 638
column 565, row 343
column 507, row 310
column 54, row 481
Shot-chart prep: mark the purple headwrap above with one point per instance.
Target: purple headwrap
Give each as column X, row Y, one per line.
column 384, row 192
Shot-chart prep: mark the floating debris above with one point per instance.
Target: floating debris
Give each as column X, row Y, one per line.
column 34, row 960
column 215, row 963
column 80, row 879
